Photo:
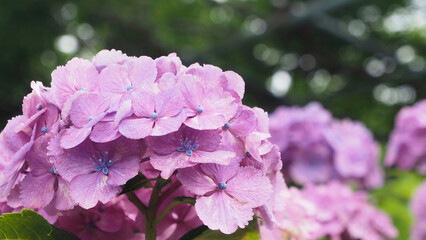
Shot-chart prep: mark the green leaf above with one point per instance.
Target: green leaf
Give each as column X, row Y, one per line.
column 203, row 233
column 138, row 182
column 30, row 225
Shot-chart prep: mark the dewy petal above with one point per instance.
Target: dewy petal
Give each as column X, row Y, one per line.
column 136, row 128
column 208, row 140
column 243, row 124
column 114, row 80
column 192, row 91
column 250, row 186
column 195, row 180
column 231, row 81
column 169, row 163
column 72, row 136
column 123, row 111
column 220, row 212
column 88, row 189
column 104, row 132
column 164, row 145
column 37, row 192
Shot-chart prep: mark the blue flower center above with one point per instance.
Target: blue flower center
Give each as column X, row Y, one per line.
column 103, row 163
column 222, row 186
column 43, row 129
column 82, row 89
column 188, row 145
column 89, row 118
column 154, row 115
column 200, row 109
column 53, row 170
column 129, row 87
column 227, row 125
column 39, row 107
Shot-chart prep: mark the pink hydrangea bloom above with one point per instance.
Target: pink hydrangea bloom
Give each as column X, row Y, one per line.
column 154, row 114
column 226, row 195
column 105, row 58
column 103, row 222
column 316, row 148
column 296, row 218
column 96, row 170
column 187, row 147
column 86, row 110
column 170, row 64
column 418, row 208
column 208, row 108
column 77, row 75
column 43, row 185
column 342, row 211
column 406, row 148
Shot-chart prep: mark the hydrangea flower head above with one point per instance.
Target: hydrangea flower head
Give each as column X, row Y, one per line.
column 418, row 208
column 226, row 195
column 406, row 148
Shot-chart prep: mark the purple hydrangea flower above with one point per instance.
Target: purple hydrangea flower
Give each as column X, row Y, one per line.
column 316, row 148
column 226, row 195
column 96, row 170
column 341, row 211
column 418, row 208
column 186, row 148
column 406, row 148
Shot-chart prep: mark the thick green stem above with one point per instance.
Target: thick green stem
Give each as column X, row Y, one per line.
column 137, row 202
column 151, row 215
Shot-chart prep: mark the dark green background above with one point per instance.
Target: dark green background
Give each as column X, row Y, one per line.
column 250, row 37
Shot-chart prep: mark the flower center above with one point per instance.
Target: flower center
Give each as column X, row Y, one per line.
column 188, row 146
column 53, row 170
column 222, row 186
column 103, row 163
column 227, row 125
column 129, row 87
column 89, row 118
column 82, row 89
column 200, row 109
column 39, row 107
column 154, row 115
column 43, row 129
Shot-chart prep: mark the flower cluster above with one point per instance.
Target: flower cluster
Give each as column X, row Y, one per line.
column 332, row 210
column 103, row 122
column 407, row 149
column 418, row 208
column 317, row 148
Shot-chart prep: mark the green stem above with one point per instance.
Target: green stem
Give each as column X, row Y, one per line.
column 137, row 202
column 150, row 223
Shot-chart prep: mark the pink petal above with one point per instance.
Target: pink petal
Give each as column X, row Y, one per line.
column 72, row 136
column 166, row 125
column 123, row 111
column 244, row 124
column 219, row 157
column 196, row 181
column 192, row 91
column 220, row 212
column 104, row 132
column 143, row 71
column 63, row 200
column 136, row 128
column 220, row 173
column 168, row 103
column 250, row 186
column 169, row 163
column 107, row 57
column 114, row 80
column 37, row 192
column 231, row 81
column 88, row 189
column 122, row 171
column 143, row 103
column 86, row 107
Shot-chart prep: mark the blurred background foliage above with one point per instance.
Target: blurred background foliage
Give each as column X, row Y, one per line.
column 361, row 59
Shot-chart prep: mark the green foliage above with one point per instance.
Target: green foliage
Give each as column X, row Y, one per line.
column 30, row 225
column 137, row 182
column 394, row 198
column 248, row 233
